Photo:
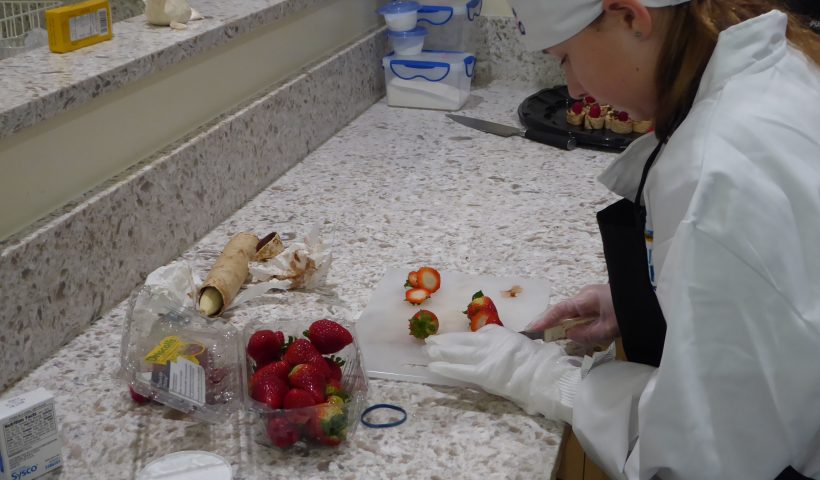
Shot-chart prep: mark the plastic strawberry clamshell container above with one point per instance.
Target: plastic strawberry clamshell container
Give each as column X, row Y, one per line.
column 197, row 365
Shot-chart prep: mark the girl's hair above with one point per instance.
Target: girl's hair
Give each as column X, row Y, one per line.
column 692, row 31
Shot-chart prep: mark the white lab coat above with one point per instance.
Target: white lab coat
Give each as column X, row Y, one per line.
column 734, row 200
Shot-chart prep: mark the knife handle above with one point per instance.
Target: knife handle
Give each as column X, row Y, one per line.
column 559, row 140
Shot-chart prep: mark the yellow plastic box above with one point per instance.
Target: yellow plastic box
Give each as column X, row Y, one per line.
column 79, row 25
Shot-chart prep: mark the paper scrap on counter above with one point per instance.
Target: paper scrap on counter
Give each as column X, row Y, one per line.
column 176, row 282
column 301, row 265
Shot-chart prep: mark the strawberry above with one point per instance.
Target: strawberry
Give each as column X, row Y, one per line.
column 334, row 388
column 298, row 398
column 412, row 280
column 308, row 377
column 416, row 296
column 270, row 391
column 429, row 279
column 300, row 351
column 480, row 302
column 265, row 346
column 589, row 100
column 328, row 425
column 323, row 366
column 279, row 369
column 577, row 108
column 282, row 432
column 623, row 116
column 136, row 397
column 335, row 400
column 334, row 363
column 484, row 317
column 594, row 111
column 328, row 336
column 423, row 324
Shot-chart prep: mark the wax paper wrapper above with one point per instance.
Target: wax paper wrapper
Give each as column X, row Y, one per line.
column 302, row 264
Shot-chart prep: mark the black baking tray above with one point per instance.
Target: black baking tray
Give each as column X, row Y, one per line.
column 546, row 111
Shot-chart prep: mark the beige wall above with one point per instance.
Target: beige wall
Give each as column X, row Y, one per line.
column 496, row 8
column 47, row 165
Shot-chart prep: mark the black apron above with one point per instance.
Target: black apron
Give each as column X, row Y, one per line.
column 639, row 315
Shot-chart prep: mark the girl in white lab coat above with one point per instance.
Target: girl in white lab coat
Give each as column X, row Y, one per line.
column 713, row 254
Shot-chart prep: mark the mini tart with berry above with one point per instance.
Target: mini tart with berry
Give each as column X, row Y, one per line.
column 575, row 114
column 589, row 101
column 621, row 123
column 594, row 119
column 641, row 126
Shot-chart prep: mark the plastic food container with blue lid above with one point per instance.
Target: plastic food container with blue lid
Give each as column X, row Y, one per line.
column 438, row 80
column 400, row 16
column 408, row 43
column 451, row 24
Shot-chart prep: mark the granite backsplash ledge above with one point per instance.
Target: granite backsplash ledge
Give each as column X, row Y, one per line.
column 65, row 271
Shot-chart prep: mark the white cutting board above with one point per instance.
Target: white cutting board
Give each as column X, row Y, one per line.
column 382, row 331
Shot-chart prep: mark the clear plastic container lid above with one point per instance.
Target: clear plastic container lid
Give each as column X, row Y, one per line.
column 416, row 32
column 181, row 359
column 430, row 65
column 187, row 465
column 398, row 7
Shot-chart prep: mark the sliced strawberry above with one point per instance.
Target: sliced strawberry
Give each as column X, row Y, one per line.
column 577, row 108
column 282, row 432
column 412, row 280
column 298, row 398
column 279, row 369
column 309, row 378
column 480, row 302
column 264, row 346
column 416, row 296
column 137, row 398
column 270, row 391
column 429, row 279
column 594, row 111
column 328, row 336
column 300, row 351
column 423, row 324
column 482, row 318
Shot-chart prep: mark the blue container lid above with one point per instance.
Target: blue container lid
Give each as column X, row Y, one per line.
column 399, row 7
column 416, row 32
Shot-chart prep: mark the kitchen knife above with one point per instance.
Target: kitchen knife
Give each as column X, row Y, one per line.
column 558, row 332
column 558, row 140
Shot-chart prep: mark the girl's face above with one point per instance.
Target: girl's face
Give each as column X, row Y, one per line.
column 611, row 62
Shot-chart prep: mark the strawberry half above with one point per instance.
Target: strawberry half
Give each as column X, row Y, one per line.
column 328, row 336
column 484, row 317
column 481, row 311
column 279, row 369
column 423, row 324
column 270, row 391
column 265, row 346
column 416, row 296
column 412, row 280
column 300, row 351
column 308, row 378
column 429, row 279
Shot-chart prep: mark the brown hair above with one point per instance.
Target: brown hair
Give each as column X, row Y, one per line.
column 692, row 31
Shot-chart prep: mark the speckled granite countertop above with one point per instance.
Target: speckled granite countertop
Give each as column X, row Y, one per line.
column 395, row 188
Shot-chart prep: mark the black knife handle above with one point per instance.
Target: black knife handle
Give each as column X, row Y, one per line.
column 559, row 140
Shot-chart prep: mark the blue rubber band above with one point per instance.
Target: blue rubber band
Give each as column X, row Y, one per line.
column 384, row 425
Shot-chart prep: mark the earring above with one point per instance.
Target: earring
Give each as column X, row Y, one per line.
column 638, row 34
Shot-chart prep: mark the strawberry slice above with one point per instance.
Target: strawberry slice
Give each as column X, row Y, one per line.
column 482, row 318
column 416, row 296
column 412, row 280
column 481, row 311
column 328, row 336
column 429, row 279
column 423, row 324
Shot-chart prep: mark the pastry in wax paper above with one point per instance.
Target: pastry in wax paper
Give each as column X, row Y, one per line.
column 227, row 275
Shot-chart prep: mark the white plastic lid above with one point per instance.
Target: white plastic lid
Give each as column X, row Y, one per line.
column 187, row 465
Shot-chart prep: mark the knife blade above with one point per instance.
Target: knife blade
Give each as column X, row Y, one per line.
column 558, row 140
column 558, row 332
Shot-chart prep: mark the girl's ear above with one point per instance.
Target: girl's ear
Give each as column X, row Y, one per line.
column 631, row 14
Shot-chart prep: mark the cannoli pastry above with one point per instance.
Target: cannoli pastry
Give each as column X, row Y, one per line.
column 575, row 115
column 594, row 120
column 621, row 123
column 641, row 126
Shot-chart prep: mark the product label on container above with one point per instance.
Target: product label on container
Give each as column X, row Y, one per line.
column 89, row 25
column 181, row 378
column 172, row 347
column 29, row 443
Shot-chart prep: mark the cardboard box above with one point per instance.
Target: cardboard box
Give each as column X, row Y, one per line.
column 29, row 442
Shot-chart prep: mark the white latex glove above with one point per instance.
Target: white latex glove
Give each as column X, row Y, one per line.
column 539, row 377
column 592, row 301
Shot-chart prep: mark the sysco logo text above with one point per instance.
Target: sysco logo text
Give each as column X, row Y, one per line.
column 23, row 472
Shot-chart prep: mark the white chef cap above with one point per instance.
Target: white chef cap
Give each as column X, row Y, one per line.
column 545, row 23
